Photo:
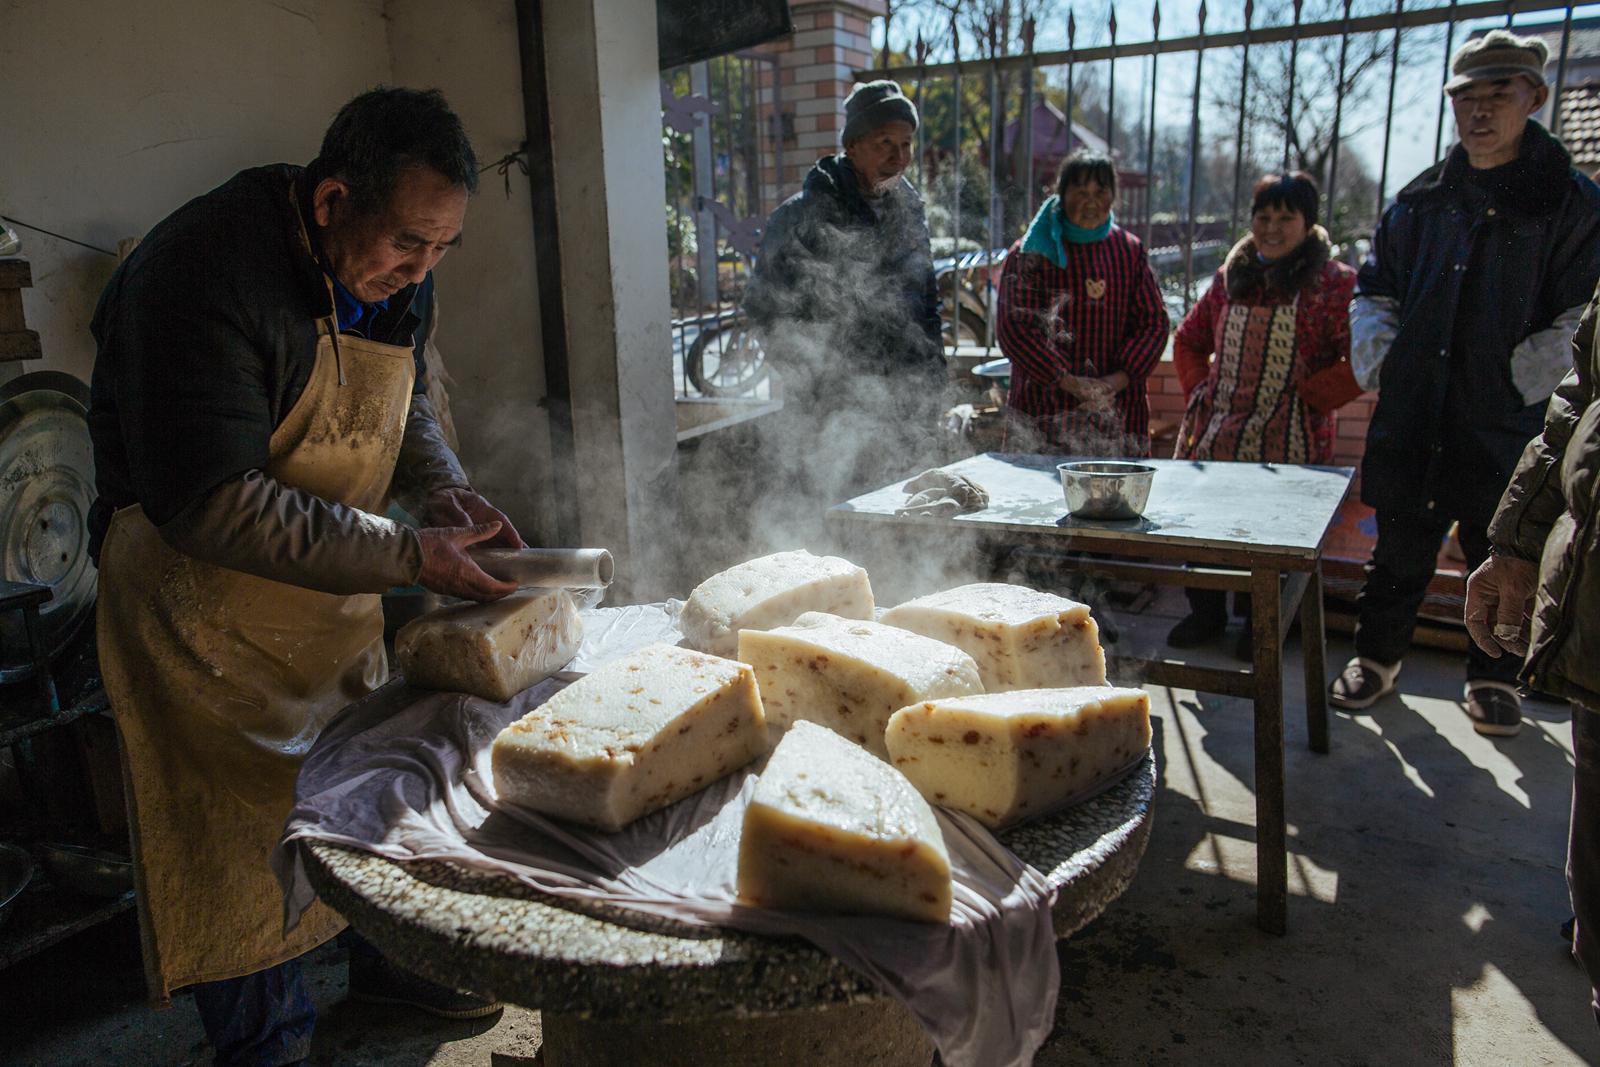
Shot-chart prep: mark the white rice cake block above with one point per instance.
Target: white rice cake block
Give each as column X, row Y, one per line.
column 636, row 735
column 850, row 675
column 1021, row 638
column 1002, row 757
column 830, row 828
column 493, row 651
column 771, row 591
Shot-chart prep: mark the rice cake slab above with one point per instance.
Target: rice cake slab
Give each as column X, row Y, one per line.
column 830, row 828
column 1021, row 638
column 1003, row 757
column 493, row 651
column 636, row 735
column 850, row 675
column 771, row 591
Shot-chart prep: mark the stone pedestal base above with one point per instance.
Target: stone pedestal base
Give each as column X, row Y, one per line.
column 881, row 1033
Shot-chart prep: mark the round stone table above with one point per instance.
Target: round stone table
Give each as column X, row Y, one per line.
column 625, row 988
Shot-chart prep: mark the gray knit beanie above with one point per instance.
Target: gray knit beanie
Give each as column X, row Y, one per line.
column 873, row 104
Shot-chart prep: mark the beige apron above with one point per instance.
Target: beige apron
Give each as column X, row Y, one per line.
column 221, row 681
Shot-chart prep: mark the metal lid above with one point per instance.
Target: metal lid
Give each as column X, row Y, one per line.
column 46, row 487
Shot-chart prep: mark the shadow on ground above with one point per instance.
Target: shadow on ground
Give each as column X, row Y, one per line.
column 1426, row 895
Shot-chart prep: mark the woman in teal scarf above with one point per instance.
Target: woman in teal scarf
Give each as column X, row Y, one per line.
column 1082, row 321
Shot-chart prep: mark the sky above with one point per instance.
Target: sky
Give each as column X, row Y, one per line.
column 1417, row 93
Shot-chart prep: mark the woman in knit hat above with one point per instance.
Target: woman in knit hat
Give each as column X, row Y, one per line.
column 1276, row 320
column 1081, row 319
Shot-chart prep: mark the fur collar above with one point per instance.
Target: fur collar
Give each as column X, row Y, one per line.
column 1249, row 278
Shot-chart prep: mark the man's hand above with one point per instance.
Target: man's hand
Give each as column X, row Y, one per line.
column 447, row 569
column 1500, row 605
column 463, row 507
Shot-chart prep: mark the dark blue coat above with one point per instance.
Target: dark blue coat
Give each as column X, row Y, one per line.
column 842, row 288
column 1477, row 262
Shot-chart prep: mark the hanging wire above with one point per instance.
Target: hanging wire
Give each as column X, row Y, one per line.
column 504, row 165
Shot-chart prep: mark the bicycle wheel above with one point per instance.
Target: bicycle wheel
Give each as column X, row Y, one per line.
column 727, row 361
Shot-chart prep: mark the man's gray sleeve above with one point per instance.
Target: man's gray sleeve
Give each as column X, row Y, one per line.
column 1543, row 359
column 1374, row 324
column 255, row 524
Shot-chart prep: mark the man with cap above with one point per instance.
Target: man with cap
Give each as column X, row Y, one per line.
column 1463, row 320
column 844, row 303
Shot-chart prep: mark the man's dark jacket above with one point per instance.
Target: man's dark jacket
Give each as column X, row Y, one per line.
column 207, row 335
column 845, row 287
column 1477, row 262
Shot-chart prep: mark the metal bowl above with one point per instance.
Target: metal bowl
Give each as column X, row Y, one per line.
column 16, row 868
column 86, row 870
column 1106, row 489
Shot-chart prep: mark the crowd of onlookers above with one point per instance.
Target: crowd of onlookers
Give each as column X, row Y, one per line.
column 1468, row 317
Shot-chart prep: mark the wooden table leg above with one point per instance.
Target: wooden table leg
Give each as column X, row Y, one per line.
column 1272, row 858
column 1314, row 648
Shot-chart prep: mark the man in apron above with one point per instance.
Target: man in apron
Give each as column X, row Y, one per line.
column 258, row 400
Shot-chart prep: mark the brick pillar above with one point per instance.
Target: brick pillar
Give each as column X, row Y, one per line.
column 817, row 69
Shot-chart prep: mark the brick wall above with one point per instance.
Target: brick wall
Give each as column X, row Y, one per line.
column 1166, row 411
column 817, row 68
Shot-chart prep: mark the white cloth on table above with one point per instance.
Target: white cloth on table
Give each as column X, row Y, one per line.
column 406, row 774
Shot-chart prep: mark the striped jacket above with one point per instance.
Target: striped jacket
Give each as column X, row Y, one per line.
column 1099, row 314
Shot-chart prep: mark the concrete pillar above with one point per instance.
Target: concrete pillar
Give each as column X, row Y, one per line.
column 605, row 133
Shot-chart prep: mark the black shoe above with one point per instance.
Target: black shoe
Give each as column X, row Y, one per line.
column 1362, row 684
column 1195, row 629
column 374, row 980
column 1495, row 708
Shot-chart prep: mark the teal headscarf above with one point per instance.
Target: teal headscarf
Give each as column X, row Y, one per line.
column 1049, row 233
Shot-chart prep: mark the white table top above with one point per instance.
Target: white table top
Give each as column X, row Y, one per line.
column 1261, row 508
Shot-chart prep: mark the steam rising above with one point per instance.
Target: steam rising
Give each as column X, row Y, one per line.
column 862, row 384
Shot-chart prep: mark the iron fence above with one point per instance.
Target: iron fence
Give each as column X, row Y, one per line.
column 718, row 152
column 961, row 172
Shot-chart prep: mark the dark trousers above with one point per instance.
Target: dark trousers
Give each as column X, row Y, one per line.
column 265, row 1019
column 1403, row 563
column 1213, row 604
column 1583, row 848
column 258, row 1020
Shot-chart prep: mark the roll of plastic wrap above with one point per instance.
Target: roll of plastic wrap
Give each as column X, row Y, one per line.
column 547, row 568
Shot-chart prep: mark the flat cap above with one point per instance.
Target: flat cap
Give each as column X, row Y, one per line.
column 1497, row 54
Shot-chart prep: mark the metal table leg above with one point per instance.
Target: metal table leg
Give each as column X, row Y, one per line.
column 1272, row 858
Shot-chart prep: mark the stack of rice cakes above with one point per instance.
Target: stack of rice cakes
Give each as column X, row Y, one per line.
column 943, row 701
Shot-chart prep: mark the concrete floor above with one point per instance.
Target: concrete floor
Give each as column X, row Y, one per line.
column 1426, row 892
